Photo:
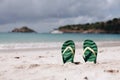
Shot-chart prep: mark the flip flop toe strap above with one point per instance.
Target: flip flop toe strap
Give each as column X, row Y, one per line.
column 88, row 48
column 68, row 47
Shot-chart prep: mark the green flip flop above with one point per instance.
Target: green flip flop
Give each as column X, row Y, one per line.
column 68, row 51
column 90, row 51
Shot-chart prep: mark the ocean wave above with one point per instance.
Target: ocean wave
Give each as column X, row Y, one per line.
column 6, row 46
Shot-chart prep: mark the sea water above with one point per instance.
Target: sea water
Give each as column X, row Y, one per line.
column 37, row 40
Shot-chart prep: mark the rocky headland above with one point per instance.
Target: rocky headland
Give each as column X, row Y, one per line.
column 23, row 29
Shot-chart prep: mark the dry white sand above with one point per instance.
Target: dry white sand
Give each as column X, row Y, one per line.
column 46, row 64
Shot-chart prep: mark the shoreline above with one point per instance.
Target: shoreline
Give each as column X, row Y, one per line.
column 51, row 45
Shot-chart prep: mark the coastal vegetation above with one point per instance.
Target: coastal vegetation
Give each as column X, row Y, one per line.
column 110, row 26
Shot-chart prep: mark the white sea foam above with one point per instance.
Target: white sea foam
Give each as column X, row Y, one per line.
column 6, row 46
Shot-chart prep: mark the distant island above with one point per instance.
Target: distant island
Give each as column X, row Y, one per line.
column 23, row 29
column 110, row 26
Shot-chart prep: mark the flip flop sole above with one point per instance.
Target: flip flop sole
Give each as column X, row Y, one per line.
column 68, row 51
column 90, row 51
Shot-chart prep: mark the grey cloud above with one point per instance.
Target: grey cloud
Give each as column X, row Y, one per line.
column 31, row 10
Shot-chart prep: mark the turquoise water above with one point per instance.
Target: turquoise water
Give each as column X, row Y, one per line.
column 47, row 37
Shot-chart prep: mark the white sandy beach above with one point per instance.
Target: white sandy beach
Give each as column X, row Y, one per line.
column 45, row 63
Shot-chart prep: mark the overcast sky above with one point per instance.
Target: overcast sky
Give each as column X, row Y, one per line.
column 45, row 15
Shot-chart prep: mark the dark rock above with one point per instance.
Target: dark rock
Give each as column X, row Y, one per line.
column 23, row 29
column 111, row 71
column 17, row 57
column 86, row 78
